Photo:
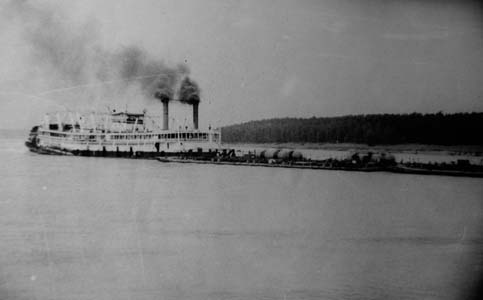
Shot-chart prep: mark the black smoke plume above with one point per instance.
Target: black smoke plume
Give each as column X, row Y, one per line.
column 189, row 91
column 155, row 77
column 72, row 58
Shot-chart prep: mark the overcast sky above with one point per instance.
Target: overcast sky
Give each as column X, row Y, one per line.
column 260, row 59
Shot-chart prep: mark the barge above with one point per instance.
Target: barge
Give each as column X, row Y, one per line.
column 285, row 158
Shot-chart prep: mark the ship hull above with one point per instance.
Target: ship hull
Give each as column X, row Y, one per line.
column 123, row 154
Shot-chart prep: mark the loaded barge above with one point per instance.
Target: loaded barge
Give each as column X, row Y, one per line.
column 361, row 162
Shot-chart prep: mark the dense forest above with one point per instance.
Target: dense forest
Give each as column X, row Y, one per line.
column 437, row 129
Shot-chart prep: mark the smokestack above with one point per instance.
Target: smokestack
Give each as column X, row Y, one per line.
column 189, row 93
column 195, row 115
column 165, row 115
column 165, row 100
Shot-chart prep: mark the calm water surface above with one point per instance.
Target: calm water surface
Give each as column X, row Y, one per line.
column 93, row 228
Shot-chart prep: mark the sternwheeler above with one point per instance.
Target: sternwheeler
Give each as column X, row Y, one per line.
column 120, row 134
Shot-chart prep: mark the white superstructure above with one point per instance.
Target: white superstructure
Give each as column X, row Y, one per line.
column 117, row 134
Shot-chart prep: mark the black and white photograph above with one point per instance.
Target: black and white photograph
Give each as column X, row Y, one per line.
column 241, row 149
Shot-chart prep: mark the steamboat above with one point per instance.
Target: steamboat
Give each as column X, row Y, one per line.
column 121, row 134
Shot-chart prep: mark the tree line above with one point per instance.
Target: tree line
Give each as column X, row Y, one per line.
column 436, row 129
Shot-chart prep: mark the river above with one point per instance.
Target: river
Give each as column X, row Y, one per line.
column 105, row 228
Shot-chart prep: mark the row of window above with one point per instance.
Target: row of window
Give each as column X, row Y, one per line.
column 54, row 134
column 183, row 136
column 132, row 137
